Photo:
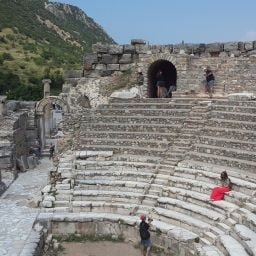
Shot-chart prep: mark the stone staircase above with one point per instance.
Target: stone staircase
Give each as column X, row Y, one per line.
column 162, row 157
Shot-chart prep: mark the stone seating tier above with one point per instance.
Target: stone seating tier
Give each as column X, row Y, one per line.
column 146, row 105
column 249, row 166
column 229, row 108
column 227, row 142
column 238, row 116
column 229, row 133
column 231, row 124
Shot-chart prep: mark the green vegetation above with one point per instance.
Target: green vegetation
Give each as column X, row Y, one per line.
column 91, row 237
column 38, row 42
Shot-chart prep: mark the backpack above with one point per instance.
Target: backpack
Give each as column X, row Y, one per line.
column 144, row 233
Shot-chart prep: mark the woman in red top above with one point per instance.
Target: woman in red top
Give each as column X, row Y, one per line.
column 225, row 186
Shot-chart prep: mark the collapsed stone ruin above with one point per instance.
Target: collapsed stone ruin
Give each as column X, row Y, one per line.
column 125, row 152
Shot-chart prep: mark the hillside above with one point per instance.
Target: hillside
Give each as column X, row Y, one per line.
column 38, row 39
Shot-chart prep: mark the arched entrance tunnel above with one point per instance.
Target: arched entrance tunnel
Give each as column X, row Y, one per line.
column 169, row 73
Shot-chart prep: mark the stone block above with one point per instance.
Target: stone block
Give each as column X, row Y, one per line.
column 129, row 48
column 100, row 48
column 24, row 162
column 113, row 67
column 116, row 49
column 47, row 204
column 231, row 46
column 125, row 59
column 248, row 46
column 91, row 58
column 125, row 67
column 214, row 47
column 31, row 162
column 108, row 59
column 47, row 189
column 141, row 49
column 100, row 67
column 138, row 41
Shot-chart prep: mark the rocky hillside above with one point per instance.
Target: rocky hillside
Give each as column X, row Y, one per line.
column 39, row 39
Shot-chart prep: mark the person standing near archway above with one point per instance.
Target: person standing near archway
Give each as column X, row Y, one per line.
column 161, row 88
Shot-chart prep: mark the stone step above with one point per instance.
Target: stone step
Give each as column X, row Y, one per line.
column 108, row 196
column 234, row 116
column 247, row 238
column 187, row 100
column 114, row 175
column 249, row 166
column 210, row 250
column 130, row 150
column 200, row 199
column 128, row 119
column 243, row 178
column 228, row 143
column 199, row 212
column 234, row 103
column 232, row 246
column 147, row 105
column 238, row 134
column 231, row 124
column 237, row 109
column 130, row 135
column 133, row 142
column 141, row 112
column 133, row 127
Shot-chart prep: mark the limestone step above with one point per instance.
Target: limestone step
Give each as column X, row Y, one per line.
column 133, row 127
column 246, row 237
column 200, row 199
column 148, row 105
column 244, row 178
column 130, row 135
column 143, row 112
column 239, row 134
column 235, row 103
column 108, row 196
column 231, row 124
column 232, row 246
column 143, row 120
column 234, row 116
column 249, row 166
column 238, row 109
column 199, row 212
column 147, row 144
column 228, row 143
column 124, row 149
column 210, row 250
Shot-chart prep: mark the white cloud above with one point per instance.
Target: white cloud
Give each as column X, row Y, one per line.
column 250, row 35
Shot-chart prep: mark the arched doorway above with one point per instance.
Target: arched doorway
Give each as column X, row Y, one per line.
column 49, row 112
column 169, row 72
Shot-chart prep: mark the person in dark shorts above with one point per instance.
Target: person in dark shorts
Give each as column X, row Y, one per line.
column 161, row 85
column 210, row 81
column 145, row 235
column 51, row 151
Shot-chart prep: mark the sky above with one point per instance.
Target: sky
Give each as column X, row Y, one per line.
column 173, row 21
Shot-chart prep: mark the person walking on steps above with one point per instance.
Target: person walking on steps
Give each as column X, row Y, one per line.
column 145, row 235
column 210, row 81
column 51, row 151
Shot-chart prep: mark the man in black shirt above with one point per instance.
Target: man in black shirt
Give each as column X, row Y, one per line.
column 145, row 235
column 210, row 80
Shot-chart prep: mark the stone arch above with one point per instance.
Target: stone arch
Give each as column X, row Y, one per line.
column 40, row 106
column 170, row 75
column 49, row 115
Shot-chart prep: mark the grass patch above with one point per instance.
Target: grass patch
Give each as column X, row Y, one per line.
column 82, row 238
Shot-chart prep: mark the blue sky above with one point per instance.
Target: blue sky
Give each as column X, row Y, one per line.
column 171, row 21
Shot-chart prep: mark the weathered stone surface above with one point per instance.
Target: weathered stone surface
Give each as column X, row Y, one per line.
column 109, row 59
column 126, row 94
column 128, row 48
column 113, row 67
column 125, row 59
column 116, row 49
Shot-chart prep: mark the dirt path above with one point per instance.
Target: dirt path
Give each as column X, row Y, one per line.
column 99, row 249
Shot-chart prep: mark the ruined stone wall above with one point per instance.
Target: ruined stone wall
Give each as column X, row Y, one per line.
column 17, row 134
column 233, row 63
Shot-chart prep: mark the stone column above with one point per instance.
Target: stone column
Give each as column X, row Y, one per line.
column 47, row 88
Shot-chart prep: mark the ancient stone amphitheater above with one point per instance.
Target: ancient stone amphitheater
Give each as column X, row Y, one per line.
column 133, row 153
